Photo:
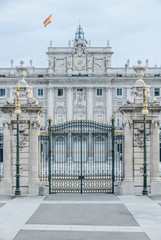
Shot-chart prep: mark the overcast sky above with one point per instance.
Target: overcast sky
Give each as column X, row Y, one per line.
column 132, row 26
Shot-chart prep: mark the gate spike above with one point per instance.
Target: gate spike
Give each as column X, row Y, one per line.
column 88, row 118
column 83, row 117
column 74, row 118
column 64, row 120
column 102, row 121
column 93, row 118
column 59, row 121
column 69, row 119
column 107, row 122
column 55, row 122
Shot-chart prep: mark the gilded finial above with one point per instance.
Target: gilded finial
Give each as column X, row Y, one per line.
column 102, row 121
column 93, row 118
column 112, row 118
column 144, row 86
column 49, row 118
column 78, row 118
column 18, row 87
column 88, row 118
column 83, row 117
column 64, row 120
column 55, row 122
column 74, row 118
column 59, row 121
column 107, row 122
column 69, row 119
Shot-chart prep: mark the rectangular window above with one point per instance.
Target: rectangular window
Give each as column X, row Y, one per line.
column 2, row 92
column 99, row 91
column 60, row 92
column 60, row 118
column 100, row 118
column 40, row 92
column 79, row 89
column 119, row 91
column 157, row 92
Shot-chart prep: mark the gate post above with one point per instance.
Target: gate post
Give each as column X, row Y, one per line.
column 113, row 156
column 81, row 156
column 49, row 173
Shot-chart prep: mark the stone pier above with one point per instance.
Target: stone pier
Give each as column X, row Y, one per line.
column 28, row 140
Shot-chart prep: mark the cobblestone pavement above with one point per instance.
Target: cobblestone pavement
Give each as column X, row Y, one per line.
column 77, row 217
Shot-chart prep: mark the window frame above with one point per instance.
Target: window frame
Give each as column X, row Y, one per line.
column 118, row 90
column 155, row 92
column 99, row 90
column 1, row 90
column 42, row 95
column 62, row 92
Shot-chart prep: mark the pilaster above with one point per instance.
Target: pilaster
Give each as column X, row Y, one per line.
column 50, row 104
column 69, row 103
column 108, row 104
column 90, row 103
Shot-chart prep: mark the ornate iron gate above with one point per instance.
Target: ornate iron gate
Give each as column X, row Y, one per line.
column 81, row 157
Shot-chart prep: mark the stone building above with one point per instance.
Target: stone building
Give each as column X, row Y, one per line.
column 79, row 82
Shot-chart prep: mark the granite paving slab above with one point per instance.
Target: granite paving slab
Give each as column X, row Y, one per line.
column 83, row 214
column 58, row 235
column 81, row 197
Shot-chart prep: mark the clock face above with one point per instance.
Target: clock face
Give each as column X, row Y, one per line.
column 79, row 62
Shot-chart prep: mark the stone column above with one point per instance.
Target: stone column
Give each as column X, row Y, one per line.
column 69, row 103
column 33, row 164
column 90, row 103
column 6, row 184
column 154, row 156
column 108, row 104
column 127, row 186
column 50, row 103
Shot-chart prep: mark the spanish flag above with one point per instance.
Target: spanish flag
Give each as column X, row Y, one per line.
column 47, row 21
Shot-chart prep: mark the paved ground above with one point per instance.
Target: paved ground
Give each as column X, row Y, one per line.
column 77, row 217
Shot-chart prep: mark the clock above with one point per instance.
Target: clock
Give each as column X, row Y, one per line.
column 79, row 62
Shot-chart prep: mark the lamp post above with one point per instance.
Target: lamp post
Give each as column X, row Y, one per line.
column 17, row 112
column 145, row 112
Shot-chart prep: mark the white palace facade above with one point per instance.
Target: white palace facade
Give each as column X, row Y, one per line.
column 79, row 83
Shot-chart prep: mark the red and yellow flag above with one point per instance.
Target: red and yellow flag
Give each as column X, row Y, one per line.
column 47, row 21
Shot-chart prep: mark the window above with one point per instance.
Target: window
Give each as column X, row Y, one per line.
column 119, row 120
column 60, row 118
column 60, row 92
column 99, row 91
column 100, row 118
column 157, row 92
column 2, row 92
column 79, row 89
column 119, row 91
column 40, row 76
column 40, row 92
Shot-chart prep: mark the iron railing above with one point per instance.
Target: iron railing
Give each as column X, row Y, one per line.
column 1, row 156
column 69, row 153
